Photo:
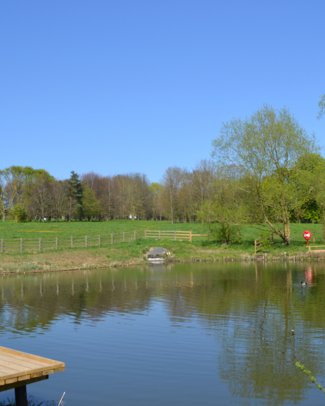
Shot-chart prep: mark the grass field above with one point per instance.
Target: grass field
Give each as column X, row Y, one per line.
column 66, row 229
column 132, row 252
column 249, row 233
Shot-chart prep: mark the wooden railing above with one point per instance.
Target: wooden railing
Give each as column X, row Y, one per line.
column 316, row 249
column 171, row 235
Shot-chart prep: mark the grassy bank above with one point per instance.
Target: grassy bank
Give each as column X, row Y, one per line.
column 132, row 253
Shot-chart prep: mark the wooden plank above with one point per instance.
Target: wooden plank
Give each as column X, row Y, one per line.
column 17, row 366
column 165, row 234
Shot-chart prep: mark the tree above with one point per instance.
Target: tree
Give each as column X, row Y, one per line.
column 203, row 179
column 173, row 181
column 38, row 196
column 101, row 187
column 309, row 180
column 156, row 190
column 91, row 205
column 267, row 146
column 26, row 188
column 226, row 208
column 75, row 193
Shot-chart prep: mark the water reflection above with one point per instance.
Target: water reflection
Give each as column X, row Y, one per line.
column 260, row 317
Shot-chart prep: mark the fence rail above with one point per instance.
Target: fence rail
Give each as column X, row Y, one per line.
column 171, row 235
column 47, row 244
column 42, row 244
column 316, row 248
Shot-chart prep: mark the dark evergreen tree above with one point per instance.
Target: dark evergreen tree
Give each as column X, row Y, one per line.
column 75, row 197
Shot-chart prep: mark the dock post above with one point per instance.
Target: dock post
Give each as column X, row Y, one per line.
column 21, row 396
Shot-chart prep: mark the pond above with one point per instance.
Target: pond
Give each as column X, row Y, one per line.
column 208, row 334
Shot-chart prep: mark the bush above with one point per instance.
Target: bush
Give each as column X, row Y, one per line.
column 225, row 233
column 19, row 213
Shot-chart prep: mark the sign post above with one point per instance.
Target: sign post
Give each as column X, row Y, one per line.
column 307, row 236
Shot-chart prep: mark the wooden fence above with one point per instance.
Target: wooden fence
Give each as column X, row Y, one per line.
column 171, row 235
column 317, row 249
column 34, row 245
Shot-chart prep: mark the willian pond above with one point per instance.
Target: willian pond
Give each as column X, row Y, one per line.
column 181, row 334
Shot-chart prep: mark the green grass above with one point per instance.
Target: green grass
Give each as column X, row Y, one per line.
column 66, row 229
column 203, row 247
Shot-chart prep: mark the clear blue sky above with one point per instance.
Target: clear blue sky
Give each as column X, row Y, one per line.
column 137, row 86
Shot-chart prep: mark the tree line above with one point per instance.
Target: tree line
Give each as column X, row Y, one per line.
column 28, row 194
column 264, row 169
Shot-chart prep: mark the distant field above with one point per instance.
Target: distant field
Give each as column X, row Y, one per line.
column 66, row 229
column 76, row 229
column 77, row 245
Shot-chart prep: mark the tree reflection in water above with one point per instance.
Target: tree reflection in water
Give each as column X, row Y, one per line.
column 251, row 310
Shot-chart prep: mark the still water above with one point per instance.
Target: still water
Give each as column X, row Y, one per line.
column 180, row 335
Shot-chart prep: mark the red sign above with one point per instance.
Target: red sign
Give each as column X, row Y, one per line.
column 307, row 235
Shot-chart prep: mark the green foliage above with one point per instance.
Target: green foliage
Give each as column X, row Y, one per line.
column 265, row 240
column 18, row 213
column 90, row 204
column 225, row 233
column 266, row 147
column 307, row 372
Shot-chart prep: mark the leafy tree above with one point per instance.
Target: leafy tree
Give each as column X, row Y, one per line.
column 18, row 212
column 309, row 181
column 91, row 205
column 226, row 210
column 266, row 146
column 102, row 188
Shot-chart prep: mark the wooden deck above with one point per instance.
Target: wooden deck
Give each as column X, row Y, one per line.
column 18, row 369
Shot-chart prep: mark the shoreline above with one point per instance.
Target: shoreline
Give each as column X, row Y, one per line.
column 100, row 259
